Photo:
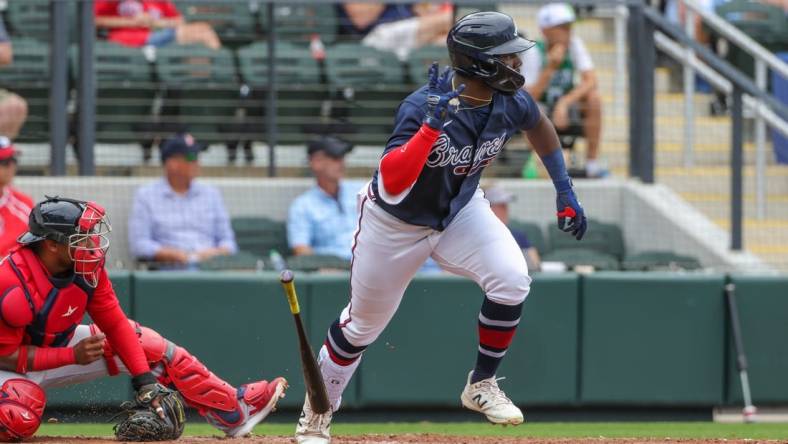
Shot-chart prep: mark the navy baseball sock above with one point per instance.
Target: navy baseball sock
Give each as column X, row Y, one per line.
column 497, row 325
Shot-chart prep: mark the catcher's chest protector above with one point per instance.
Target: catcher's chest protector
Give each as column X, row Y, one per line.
column 53, row 307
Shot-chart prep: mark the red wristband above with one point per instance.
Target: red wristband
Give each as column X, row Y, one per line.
column 49, row 358
column 21, row 360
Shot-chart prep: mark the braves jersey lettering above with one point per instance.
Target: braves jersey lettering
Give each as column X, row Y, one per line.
column 470, row 141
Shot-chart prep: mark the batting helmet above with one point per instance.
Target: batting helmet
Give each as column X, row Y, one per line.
column 80, row 225
column 476, row 43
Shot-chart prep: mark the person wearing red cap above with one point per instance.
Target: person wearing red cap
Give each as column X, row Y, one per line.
column 14, row 205
column 13, row 109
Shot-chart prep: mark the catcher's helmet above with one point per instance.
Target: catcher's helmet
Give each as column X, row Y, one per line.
column 80, row 225
column 475, row 43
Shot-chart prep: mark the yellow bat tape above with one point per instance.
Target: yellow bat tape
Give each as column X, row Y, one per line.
column 288, row 283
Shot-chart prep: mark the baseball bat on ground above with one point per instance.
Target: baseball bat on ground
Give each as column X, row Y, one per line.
column 313, row 379
column 749, row 410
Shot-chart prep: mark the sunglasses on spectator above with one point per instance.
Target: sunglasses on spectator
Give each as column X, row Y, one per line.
column 8, row 161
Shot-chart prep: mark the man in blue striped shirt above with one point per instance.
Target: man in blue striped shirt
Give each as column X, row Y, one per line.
column 176, row 220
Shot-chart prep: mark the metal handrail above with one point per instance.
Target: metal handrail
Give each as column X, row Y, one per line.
column 763, row 58
column 675, row 50
column 734, row 35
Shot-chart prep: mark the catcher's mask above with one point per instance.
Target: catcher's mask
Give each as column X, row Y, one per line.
column 80, row 225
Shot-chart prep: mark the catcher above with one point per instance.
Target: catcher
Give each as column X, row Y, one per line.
column 47, row 283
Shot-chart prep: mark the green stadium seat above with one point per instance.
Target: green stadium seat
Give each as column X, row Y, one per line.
column 260, row 235
column 202, row 92
column 659, row 260
column 235, row 22
column 125, row 93
column 573, row 257
column 28, row 76
column 30, row 18
column 317, row 262
column 420, row 60
column 469, row 8
column 601, row 237
column 367, row 86
column 241, row 261
column 767, row 24
column 300, row 94
column 533, row 232
column 355, row 65
column 297, row 22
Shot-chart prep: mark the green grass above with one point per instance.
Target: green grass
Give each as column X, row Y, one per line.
column 539, row 430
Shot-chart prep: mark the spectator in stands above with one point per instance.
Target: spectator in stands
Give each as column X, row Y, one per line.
column 550, row 70
column 398, row 28
column 177, row 221
column 14, row 205
column 323, row 219
column 13, row 109
column 499, row 203
column 150, row 23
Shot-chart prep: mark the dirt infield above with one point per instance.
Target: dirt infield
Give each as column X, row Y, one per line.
column 401, row 439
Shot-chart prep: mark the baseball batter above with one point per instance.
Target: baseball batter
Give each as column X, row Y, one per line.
column 47, row 284
column 424, row 201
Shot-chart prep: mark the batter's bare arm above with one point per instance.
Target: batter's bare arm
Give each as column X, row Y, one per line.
column 543, row 137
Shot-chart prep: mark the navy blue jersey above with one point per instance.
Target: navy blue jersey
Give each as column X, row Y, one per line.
column 470, row 140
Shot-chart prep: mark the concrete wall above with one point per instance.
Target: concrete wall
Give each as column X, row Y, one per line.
column 651, row 216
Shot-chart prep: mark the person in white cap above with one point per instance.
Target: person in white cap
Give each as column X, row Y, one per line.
column 550, row 78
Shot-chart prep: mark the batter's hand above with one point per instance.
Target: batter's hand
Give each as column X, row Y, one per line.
column 90, row 349
column 571, row 217
column 440, row 104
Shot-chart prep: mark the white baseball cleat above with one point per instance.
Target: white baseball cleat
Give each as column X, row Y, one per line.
column 486, row 398
column 313, row 428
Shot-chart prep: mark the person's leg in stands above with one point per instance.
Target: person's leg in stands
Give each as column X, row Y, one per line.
column 591, row 110
column 197, row 32
column 13, row 113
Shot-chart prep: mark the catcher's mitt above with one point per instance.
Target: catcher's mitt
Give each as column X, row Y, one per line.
column 140, row 420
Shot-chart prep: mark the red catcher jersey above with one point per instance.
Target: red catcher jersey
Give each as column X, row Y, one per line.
column 15, row 209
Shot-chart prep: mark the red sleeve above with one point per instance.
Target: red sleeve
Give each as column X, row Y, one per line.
column 105, row 8
column 401, row 166
column 105, row 310
column 170, row 10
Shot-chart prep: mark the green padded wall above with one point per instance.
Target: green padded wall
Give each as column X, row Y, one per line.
column 542, row 361
column 652, row 338
column 239, row 325
column 763, row 314
column 104, row 392
column 425, row 354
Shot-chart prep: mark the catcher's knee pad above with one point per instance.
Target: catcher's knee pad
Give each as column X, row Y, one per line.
column 21, row 406
column 156, row 348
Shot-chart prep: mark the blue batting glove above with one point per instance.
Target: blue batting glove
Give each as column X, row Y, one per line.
column 571, row 217
column 440, row 104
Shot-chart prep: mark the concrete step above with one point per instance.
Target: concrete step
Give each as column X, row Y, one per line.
column 696, row 179
column 716, row 206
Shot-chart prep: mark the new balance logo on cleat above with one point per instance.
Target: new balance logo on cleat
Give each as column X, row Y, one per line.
column 488, row 399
